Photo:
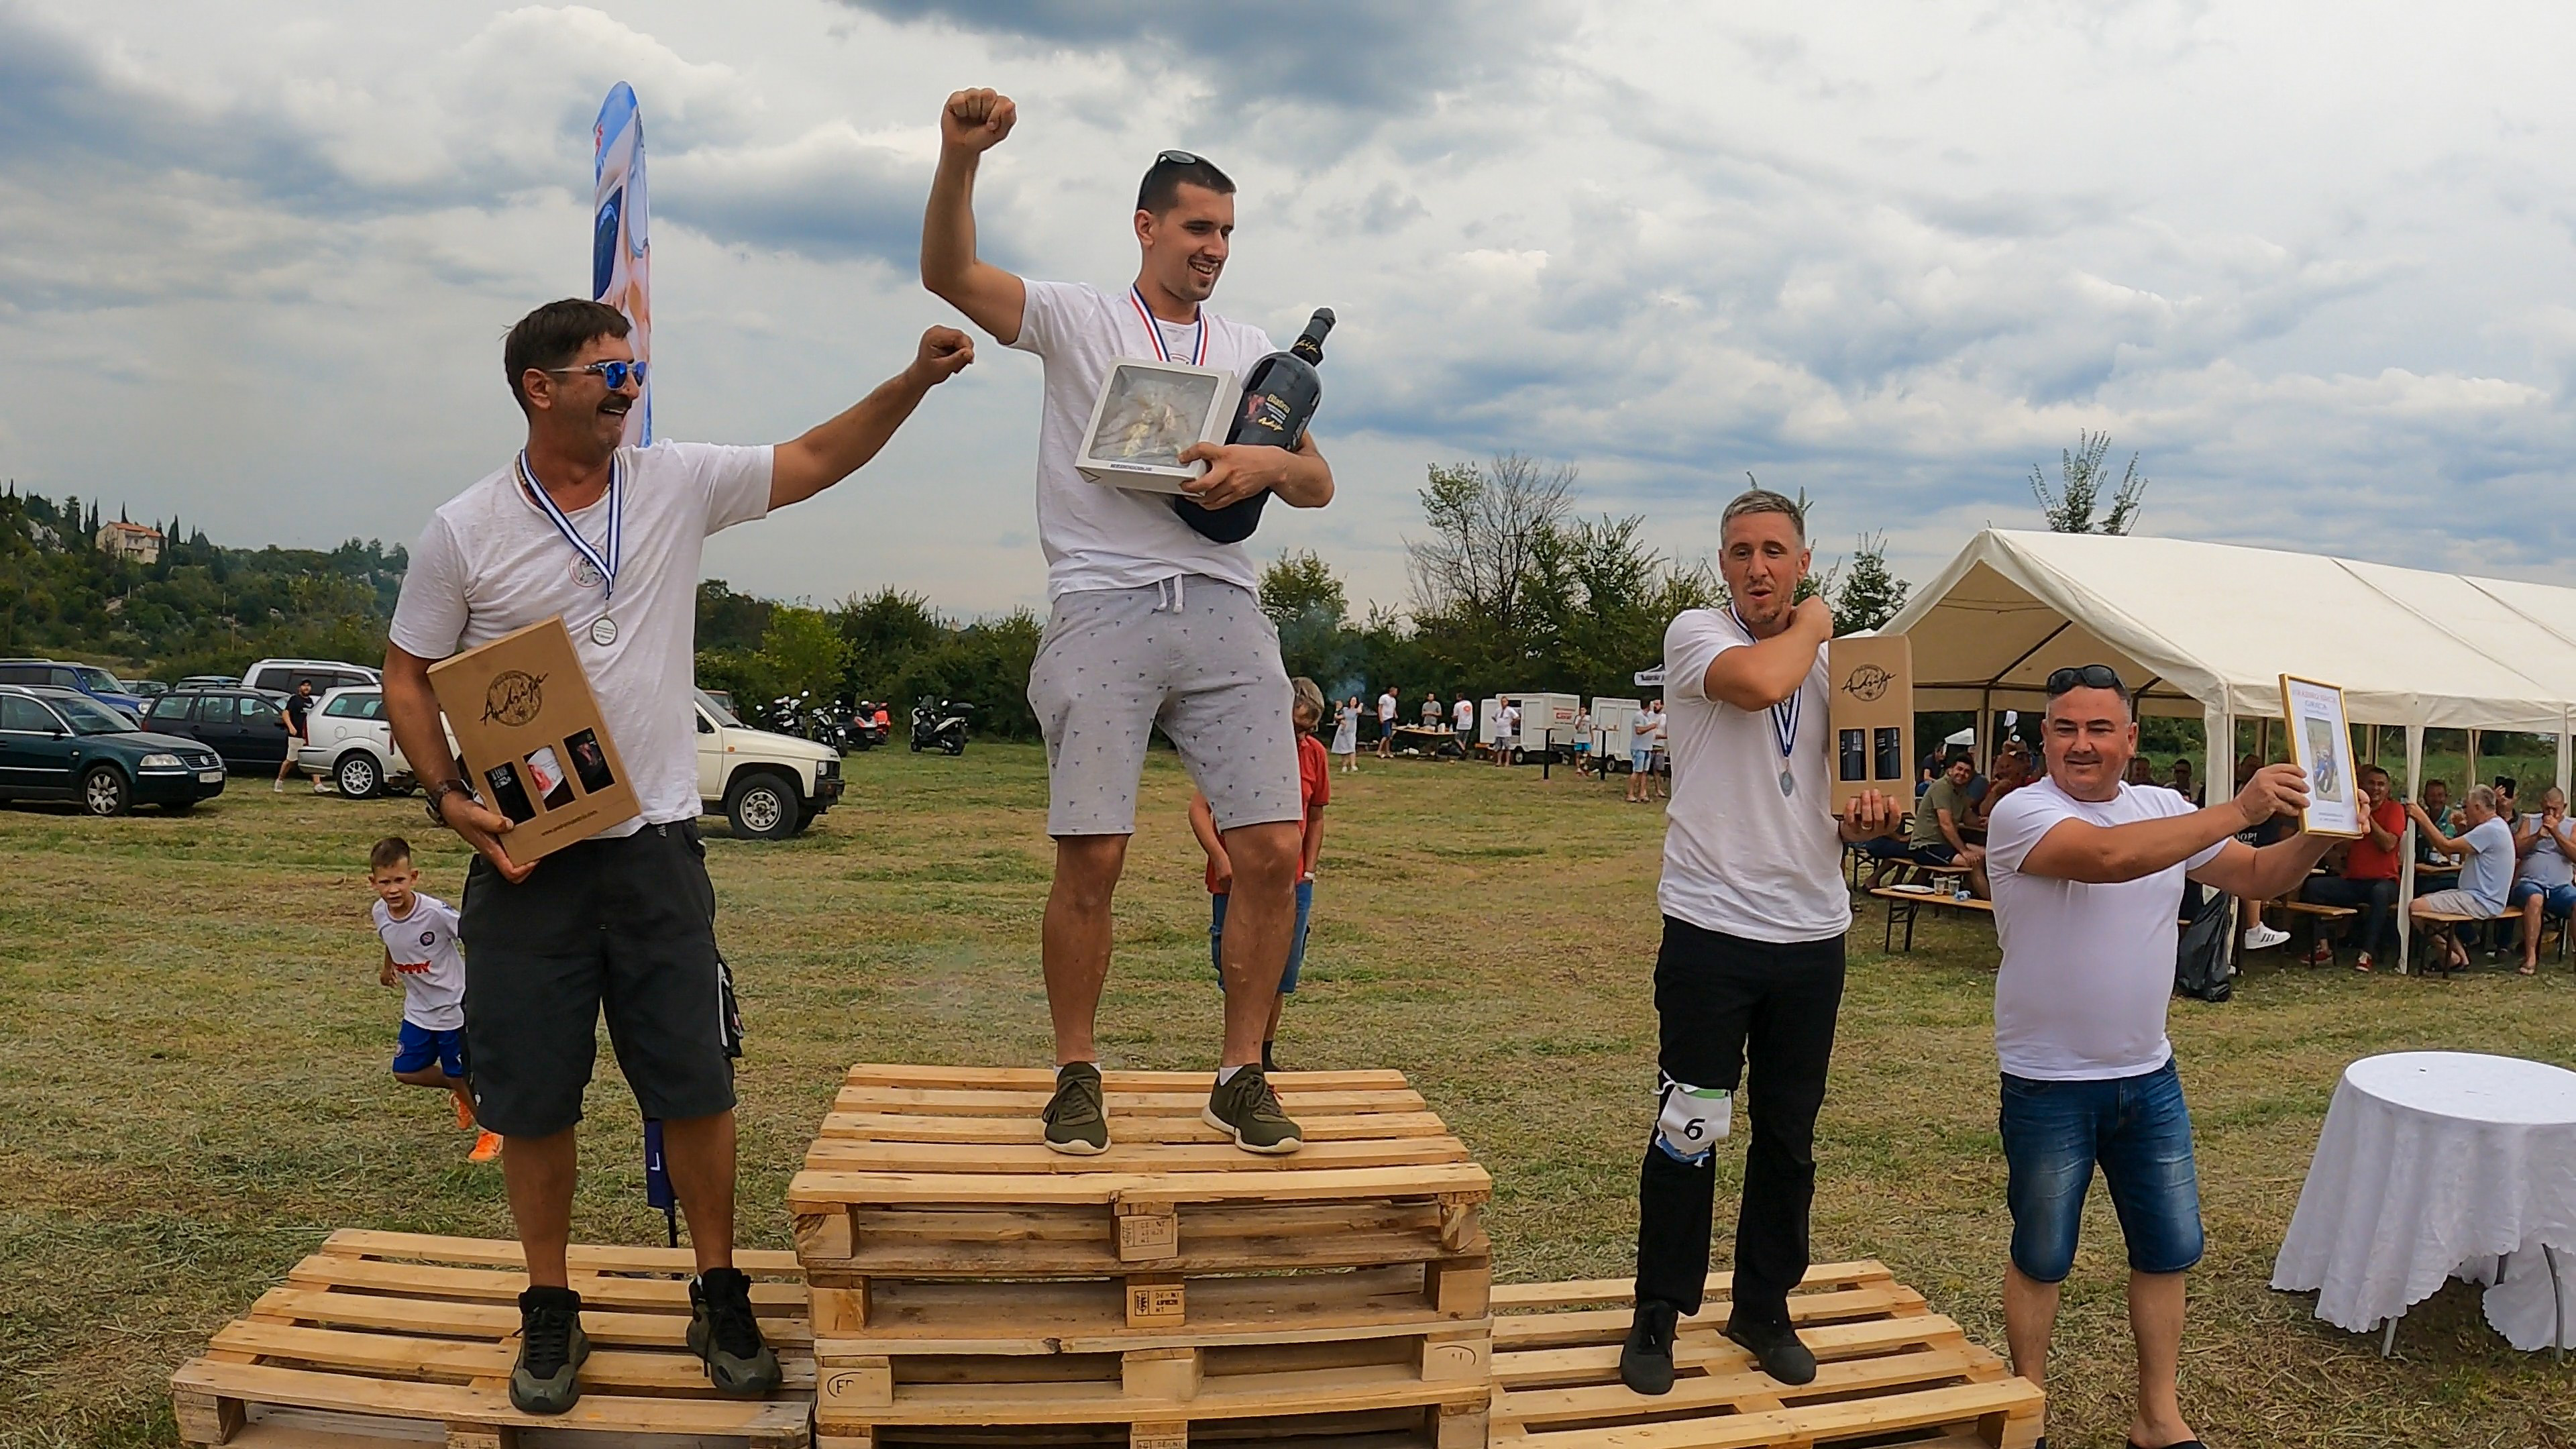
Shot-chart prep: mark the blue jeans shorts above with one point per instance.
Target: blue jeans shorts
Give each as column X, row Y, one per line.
column 1641, row 759
column 2554, row 900
column 2139, row 1131
column 1296, row 940
column 417, row 1046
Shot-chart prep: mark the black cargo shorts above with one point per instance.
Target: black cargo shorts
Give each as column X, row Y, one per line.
column 625, row 924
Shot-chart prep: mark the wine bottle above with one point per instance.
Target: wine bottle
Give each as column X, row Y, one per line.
column 1278, row 400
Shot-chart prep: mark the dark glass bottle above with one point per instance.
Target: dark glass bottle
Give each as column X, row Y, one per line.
column 1278, row 401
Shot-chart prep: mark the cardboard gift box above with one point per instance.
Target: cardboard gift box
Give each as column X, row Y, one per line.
column 535, row 747
column 1871, row 714
column 1147, row 413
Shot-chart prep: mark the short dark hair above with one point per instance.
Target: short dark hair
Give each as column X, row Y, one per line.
column 1160, row 191
column 389, row 852
column 554, row 335
column 1763, row 500
column 2369, row 770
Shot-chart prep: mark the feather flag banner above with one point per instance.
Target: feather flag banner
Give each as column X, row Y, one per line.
column 621, row 237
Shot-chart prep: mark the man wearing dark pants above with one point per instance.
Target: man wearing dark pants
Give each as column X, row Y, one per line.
column 2088, row 874
column 1150, row 624
column 607, row 538
column 1751, row 971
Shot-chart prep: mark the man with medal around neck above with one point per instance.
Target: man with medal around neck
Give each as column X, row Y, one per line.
column 609, row 539
column 1149, row 622
column 1750, row 974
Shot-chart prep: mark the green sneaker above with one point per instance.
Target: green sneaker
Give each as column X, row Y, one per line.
column 551, row 1348
column 724, row 1333
column 1246, row 1109
column 1076, row 1123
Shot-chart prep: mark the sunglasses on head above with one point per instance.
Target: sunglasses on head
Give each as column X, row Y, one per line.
column 1179, row 158
column 614, row 373
column 2088, row 676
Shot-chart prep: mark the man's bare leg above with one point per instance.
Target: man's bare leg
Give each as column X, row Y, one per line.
column 700, row 1154
column 2030, row 1318
column 2531, row 907
column 2155, row 1322
column 1260, row 919
column 1074, row 946
column 539, row 1172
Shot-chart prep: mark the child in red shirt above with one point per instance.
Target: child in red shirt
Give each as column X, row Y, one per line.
column 1314, row 791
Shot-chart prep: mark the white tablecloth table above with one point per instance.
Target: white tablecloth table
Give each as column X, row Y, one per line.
column 2435, row 1165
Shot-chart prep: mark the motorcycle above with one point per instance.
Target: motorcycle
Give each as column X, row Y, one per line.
column 862, row 727
column 940, row 725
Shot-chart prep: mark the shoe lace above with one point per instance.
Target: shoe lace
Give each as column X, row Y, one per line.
column 730, row 1321
column 1658, row 1322
column 1071, row 1105
column 546, row 1336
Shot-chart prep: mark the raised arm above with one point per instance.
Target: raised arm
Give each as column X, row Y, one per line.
column 970, row 124
column 2433, row 835
column 833, row 451
column 2079, row 850
column 1763, row 673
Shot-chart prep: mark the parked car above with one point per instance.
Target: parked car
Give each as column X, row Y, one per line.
column 209, row 681
column 146, row 689
column 352, row 743
column 241, row 725
column 280, row 676
column 767, row 786
column 59, row 744
column 87, row 679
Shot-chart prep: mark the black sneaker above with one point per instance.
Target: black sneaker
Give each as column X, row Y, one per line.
column 723, row 1332
column 1782, row 1356
column 1646, row 1360
column 1076, row 1123
column 551, row 1348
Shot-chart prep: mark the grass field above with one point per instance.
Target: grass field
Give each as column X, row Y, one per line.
column 193, row 1085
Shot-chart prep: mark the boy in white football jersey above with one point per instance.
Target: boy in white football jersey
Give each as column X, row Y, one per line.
column 419, row 936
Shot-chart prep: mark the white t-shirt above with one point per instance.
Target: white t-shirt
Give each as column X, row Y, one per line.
column 1463, row 715
column 1386, row 706
column 2547, row 864
column 2087, row 968
column 1511, row 719
column 1095, row 536
column 2487, row 875
column 423, row 948
column 1739, row 856
column 490, row 562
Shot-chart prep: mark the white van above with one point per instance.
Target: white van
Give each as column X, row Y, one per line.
column 280, row 676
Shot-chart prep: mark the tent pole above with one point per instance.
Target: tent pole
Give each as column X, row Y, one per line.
column 2471, row 768
column 2406, row 847
column 1984, row 744
column 2562, row 753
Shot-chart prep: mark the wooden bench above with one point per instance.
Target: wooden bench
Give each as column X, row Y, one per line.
column 1907, row 905
column 2445, row 924
column 2316, row 916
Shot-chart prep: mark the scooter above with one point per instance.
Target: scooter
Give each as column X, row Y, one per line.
column 940, row 726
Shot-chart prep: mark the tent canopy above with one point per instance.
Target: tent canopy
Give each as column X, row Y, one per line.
column 2210, row 628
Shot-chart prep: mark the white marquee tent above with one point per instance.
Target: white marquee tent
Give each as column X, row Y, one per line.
column 2208, row 629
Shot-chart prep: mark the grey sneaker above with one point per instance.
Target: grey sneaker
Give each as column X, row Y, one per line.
column 1076, row 1123
column 551, row 1348
column 1249, row 1111
column 724, row 1333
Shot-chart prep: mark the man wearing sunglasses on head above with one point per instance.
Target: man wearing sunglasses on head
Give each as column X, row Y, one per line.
column 2088, row 876
column 608, row 538
column 1150, row 623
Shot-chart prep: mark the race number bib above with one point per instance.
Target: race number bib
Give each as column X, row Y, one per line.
column 1693, row 1120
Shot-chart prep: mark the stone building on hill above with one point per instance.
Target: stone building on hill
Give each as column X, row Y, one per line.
column 130, row 541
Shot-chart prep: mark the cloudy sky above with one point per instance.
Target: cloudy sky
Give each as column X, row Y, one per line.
column 2311, row 260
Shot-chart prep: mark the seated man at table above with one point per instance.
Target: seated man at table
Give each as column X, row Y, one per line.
column 2544, row 883
column 2446, row 818
column 2487, row 842
column 1939, row 815
column 2368, row 880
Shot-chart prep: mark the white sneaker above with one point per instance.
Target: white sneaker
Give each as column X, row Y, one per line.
column 2263, row 938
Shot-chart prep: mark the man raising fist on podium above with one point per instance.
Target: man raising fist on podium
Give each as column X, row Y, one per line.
column 1150, row 623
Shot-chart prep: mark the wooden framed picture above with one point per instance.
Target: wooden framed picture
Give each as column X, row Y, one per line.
column 2321, row 744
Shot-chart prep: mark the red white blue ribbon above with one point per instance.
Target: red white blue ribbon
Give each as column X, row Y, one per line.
column 1154, row 330
column 605, row 560
column 1784, row 715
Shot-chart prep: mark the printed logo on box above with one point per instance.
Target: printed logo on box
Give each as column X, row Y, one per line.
column 514, row 697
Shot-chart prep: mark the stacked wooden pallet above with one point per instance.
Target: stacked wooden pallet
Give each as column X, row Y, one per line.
column 398, row 1336
column 1891, row 1373
column 970, row 1286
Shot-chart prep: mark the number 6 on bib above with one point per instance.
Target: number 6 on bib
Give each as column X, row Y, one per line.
column 1692, row 1121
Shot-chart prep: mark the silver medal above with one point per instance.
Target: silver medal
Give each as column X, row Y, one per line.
column 603, row 632
column 1788, row 783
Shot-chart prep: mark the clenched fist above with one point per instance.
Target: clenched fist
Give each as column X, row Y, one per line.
column 976, row 120
column 944, row 353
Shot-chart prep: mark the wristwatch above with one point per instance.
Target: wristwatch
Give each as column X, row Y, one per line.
column 438, row 794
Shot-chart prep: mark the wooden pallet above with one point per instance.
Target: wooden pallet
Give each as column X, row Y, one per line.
column 396, row 1336
column 968, row 1281
column 1891, row 1373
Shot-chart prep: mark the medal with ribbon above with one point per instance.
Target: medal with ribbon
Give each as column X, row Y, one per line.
column 1154, row 331
column 1784, row 721
column 603, row 630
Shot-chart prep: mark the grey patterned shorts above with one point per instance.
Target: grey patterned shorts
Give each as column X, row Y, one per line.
column 1192, row 654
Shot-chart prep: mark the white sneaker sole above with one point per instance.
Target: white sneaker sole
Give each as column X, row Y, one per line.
column 1072, row 1149
column 1286, row 1146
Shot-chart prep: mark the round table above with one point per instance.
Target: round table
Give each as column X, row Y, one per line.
column 2434, row 1165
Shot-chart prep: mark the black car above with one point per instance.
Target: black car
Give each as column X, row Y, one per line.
column 59, row 744
column 242, row 725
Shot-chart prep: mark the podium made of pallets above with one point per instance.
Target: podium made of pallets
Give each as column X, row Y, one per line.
column 966, row 1282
